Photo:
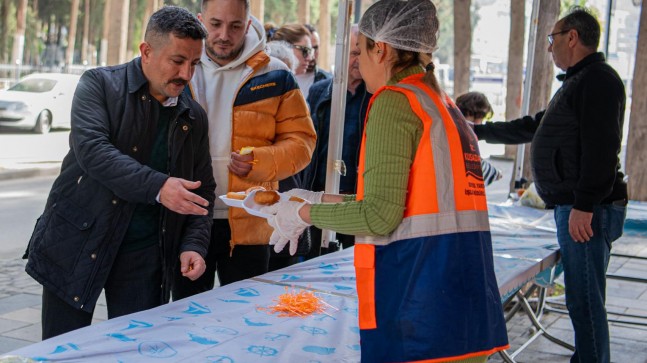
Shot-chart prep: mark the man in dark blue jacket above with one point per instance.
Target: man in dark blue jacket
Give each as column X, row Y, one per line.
column 133, row 202
column 575, row 164
column 320, row 102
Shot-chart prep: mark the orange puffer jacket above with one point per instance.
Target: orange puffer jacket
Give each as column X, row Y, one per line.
column 270, row 114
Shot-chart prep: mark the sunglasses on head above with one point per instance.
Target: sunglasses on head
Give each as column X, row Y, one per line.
column 305, row 51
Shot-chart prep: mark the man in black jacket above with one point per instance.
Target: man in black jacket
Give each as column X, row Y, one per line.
column 575, row 164
column 133, row 202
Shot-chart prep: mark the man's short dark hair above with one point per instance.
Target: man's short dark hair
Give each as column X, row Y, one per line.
column 173, row 20
column 586, row 25
column 204, row 2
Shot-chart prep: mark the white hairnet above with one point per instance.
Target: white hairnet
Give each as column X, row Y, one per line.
column 404, row 24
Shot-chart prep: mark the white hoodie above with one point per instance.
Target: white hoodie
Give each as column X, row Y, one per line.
column 220, row 85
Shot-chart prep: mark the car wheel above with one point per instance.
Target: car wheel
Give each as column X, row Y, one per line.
column 43, row 123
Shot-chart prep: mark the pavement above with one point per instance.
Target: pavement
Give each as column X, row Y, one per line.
column 20, row 295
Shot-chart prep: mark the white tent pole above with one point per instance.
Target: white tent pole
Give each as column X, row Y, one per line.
column 337, row 112
column 527, row 85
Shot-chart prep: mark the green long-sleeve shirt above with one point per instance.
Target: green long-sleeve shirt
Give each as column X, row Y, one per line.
column 393, row 132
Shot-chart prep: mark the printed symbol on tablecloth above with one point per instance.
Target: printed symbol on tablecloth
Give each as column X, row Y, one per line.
column 172, row 318
column 275, row 336
column 342, row 287
column 354, row 329
column 328, row 268
column 349, row 278
column 65, row 348
column 255, row 323
column 220, row 330
column 313, row 330
column 197, row 309
column 322, row 317
column 262, row 350
column 355, row 347
column 352, row 311
column 219, row 359
column 156, row 350
column 290, row 277
column 318, row 350
column 202, row 340
column 137, row 324
column 247, row 292
column 121, row 337
column 234, row 301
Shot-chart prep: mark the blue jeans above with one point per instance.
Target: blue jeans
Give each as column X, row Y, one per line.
column 585, row 267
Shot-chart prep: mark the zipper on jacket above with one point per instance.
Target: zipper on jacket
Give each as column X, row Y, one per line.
column 230, row 178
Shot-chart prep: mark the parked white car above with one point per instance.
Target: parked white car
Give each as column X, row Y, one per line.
column 39, row 102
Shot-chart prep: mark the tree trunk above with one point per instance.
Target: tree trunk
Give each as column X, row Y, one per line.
column 257, row 9
column 4, row 20
column 514, row 82
column 542, row 72
column 636, row 148
column 86, row 33
column 103, row 58
column 303, row 12
column 148, row 11
column 324, row 34
column 462, row 46
column 131, row 29
column 71, row 34
column 19, row 36
column 36, row 40
column 118, row 35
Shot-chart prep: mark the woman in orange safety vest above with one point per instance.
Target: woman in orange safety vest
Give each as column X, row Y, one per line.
column 423, row 251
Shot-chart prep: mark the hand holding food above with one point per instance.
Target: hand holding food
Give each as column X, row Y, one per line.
column 241, row 162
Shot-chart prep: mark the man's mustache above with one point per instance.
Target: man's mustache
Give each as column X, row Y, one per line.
column 179, row 81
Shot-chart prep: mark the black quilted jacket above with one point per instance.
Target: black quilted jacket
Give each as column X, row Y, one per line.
column 104, row 176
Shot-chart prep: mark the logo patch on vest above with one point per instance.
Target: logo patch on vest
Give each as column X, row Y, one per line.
column 471, row 156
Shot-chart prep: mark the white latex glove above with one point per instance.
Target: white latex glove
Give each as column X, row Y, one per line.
column 312, row 197
column 287, row 224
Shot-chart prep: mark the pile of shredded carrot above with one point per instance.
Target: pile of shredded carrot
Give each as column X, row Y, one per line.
column 297, row 304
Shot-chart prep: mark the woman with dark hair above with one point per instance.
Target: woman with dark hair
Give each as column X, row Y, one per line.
column 299, row 38
column 475, row 107
column 423, row 251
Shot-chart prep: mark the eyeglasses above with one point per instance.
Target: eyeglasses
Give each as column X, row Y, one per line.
column 306, row 52
column 551, row 36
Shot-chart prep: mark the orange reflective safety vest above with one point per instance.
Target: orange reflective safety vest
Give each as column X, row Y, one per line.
column 427, row 292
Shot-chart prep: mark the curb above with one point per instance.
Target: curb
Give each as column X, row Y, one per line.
column 10, row 174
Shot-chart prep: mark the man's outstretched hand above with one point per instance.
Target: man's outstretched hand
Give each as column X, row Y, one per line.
column 192, row 265
column 176, row 195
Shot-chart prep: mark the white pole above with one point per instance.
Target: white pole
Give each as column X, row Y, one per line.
column 334, row 165
column 527, row 85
